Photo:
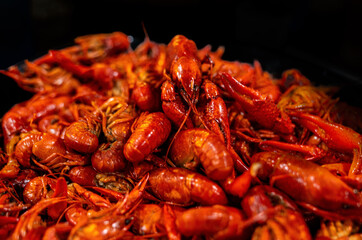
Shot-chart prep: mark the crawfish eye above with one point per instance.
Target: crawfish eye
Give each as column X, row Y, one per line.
column 149, row 52
column 346, row 206
column 128, row 220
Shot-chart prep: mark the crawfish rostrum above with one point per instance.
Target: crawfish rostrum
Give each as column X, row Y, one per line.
column 174, row 142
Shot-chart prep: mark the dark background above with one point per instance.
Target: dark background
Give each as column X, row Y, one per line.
column 322, row 38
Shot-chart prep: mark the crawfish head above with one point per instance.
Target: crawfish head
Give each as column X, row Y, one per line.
column 186, row 73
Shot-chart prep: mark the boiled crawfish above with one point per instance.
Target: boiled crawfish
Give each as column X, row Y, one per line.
column 169, row 141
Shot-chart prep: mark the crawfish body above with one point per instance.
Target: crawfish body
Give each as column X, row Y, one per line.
column 216, row 222
column 82, row 136
column 195, row 146
column 183, row 187
column 307, row 182
column 150, row 132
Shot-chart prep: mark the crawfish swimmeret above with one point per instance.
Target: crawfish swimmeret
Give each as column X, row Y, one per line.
column 170, row 141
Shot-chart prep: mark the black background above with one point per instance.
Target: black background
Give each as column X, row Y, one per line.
column 322, row 38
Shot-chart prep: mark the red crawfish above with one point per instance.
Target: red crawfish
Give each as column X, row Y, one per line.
column 243, row 72
column 214, row 116
column 57, row 231
column 153, row 219
column 10, row 167
column 336, row 136
column 309, row 184
column 281, row 223
column 96, row 47
column 346, row 229
column 10, row 203
column 109, row 157
column 262, row 198
column 264, row 83
column 306, row 99
column 37, row 190
column 151, row 131
column 117, row 117
column 275, row 213
column 112, row 222
column 194, row 146
column 293, row 77
column 86, row 176
column 102, row 75
column 183, row 187
column 173, row 106
column 82, row 135
column 214, row 111
column 151, row 60
column 258, row 107
column 146, row 93
column 213, row 222
column 151, row 56
column 37, row 78
column 20, row 117
column 31, row 225
column 184, row 69
column 47, row 151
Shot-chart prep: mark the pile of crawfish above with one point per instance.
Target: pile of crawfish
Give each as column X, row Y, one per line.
column 173, row 142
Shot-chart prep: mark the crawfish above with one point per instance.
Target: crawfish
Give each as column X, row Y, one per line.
column 336, row 136
column 173, row 106
column 151, row 60
column 112, row 222
column 82, row 135
column 214, row 111
column 293, row 77
column 180, row 186
column 307, row 99
column 46, row 150
column 258, row 107
column 276, row 214
column 36, row 78
column 214, row 222
column 30, row 225
column 117, row 118
column 20, row 118
column 194, row 146
column 243, row 72
column 87, row 176
column 10, row 205
column 308, row 184
column 146, row 94
column 109, row 157
column 151, row 56
column 10, row 167
column 99, row 46
column 37, row 190
column 264, row 83
column 101, row 75
column 184, row 69
column 282, row 223
column 154, row 219
column 151, row 131
column 347, row 229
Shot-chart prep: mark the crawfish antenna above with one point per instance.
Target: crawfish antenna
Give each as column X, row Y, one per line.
column 147, row 38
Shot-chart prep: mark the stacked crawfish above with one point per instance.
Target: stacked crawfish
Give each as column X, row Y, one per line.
column 173, row 142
